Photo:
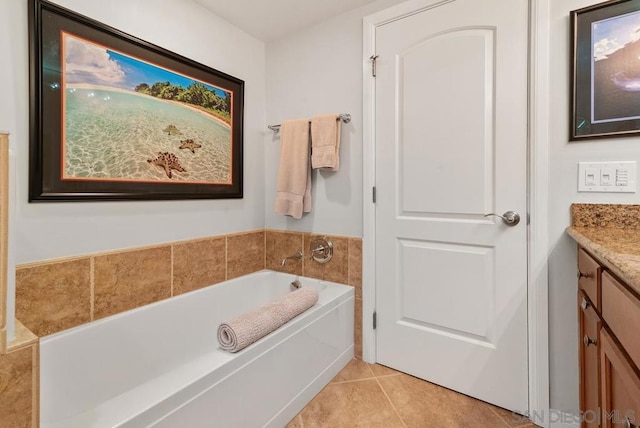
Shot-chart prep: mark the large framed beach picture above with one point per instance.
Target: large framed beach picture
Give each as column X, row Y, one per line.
column 606, row 70
column 113, row 117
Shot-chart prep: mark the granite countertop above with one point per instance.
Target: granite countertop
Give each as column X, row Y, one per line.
column 611, row 233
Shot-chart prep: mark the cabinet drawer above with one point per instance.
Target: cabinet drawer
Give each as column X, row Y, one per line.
column 621, row 312
column 589, row 276
column 620, row 386
column 589, row 362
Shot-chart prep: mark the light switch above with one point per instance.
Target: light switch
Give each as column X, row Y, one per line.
column 622, row 177
column 607, row 177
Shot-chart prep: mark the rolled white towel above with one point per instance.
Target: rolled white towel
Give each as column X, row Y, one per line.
column 247, row 328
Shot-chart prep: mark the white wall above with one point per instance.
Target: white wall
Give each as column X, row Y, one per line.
column 315, row 71
column 564, row 157
column 48, row 230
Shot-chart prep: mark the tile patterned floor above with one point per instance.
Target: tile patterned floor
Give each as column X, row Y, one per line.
column 370, row 395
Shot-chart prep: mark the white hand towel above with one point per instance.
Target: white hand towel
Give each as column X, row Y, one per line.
column 294, row 175
column 325, row 142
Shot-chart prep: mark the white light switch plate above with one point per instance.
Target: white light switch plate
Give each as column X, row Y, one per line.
column 606, row 177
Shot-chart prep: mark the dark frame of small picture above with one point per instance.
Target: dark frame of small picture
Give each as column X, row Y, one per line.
column 605, row 72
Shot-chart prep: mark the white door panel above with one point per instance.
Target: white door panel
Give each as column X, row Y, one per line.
column 451, row 140
column 455, row 156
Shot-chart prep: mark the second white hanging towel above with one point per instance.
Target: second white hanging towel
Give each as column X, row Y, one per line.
column 325, row 142
column 294, row 174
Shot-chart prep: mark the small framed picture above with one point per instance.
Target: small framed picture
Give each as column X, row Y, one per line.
column 113, row 117
column 606, row 70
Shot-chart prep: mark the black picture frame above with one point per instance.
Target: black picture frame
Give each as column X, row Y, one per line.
column 74, row 145
column 605, row 80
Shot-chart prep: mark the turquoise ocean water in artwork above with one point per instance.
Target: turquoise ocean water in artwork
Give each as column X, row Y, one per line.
column 111, row 134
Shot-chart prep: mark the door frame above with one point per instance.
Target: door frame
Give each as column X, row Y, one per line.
column 537, row 192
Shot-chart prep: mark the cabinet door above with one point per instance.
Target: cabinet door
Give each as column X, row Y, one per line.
column 621, row 312
column 589, row 367
column 620, row 386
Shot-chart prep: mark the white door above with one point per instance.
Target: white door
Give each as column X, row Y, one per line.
column 451, row 146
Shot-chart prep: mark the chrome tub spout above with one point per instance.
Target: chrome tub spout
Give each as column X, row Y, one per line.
column 296, row 256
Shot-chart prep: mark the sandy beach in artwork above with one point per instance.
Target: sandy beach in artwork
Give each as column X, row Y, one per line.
column 86, row 86
column 116, row 134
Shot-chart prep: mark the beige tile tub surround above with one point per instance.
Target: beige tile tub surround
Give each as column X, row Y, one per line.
column 355, row 265
column 197, row 264
column 23, row 338
column 19, row 391
column 284, row 244
column 59, row 294
column 54, row 296
column 127, row 280
column 4, row 236
column 245, row 253
column 337, row 269
column 345, row 267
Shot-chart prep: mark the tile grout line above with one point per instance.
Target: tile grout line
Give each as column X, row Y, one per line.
column 304, row 258
column 349, row 262
column 496, row 413
column 92, row 287
column 171, row 285
column 388, row 375
column 340, row 382
column 35, row 384
column 391, row 402
column 226, row 258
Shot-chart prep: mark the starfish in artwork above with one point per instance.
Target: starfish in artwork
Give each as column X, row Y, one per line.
column 172, row 130
column 190, row 144
column 168, row 161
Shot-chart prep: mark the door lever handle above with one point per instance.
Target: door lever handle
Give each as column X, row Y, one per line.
column 510, row 218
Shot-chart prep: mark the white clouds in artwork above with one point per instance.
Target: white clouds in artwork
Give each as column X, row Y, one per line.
column 615, row 33
column 604, row 47
column 89, row 63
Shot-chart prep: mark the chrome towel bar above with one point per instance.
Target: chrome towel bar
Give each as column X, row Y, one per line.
column 344, row 117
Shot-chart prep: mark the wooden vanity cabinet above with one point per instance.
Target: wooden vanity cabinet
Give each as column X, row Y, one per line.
column 620, row 386
column 609, row 320
column 589, row 362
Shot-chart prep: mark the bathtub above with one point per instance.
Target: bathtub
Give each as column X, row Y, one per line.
column 160, row 365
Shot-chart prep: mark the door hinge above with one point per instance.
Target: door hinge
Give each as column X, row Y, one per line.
column 374, row 60
column 375, row 320
column 374, row 195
